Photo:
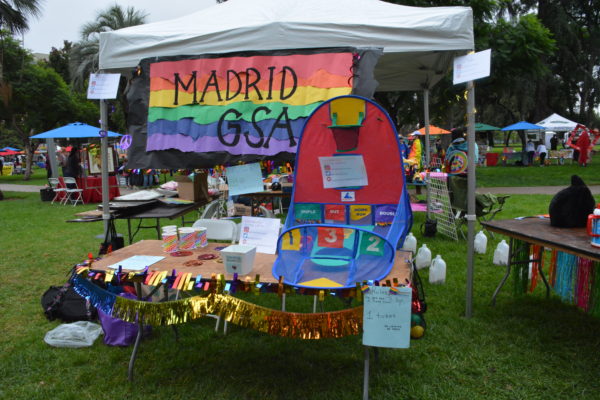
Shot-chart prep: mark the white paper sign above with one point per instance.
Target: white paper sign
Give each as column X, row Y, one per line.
column 343, row 171
column 472, row 66
column 386, row 317
column 243, row 179
column 103, row 86
column 260, row 232
column 136, row 263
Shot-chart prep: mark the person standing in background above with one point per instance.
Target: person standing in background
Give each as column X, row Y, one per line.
column 554, row 142
column 541, row 150
column 530, row 149
column 73, row 168
column 62, row 160
column 403, row 147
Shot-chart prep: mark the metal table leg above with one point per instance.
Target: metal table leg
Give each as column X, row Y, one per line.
column 506, row 275
column 129, row 231
column 502, row 282
column 540, row 257
column 138, row 289
column 166, row 298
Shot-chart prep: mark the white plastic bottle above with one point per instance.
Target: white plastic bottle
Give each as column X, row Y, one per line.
column 230, row 207
column 501, row 254
column 437, row 272
column 410, row 243
column 423, row 259
column 480, row 243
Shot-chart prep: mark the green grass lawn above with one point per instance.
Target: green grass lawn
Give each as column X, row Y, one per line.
column 38, row 177
column 553, row 175
column 526, row 347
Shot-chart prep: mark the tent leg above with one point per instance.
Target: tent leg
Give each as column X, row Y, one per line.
column 366, row 376
column 427, row 149
column 470, row 197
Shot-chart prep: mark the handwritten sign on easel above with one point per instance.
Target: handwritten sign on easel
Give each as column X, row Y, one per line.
column 386, row 317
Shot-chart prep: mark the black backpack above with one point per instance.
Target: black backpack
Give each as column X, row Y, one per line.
column 64, row 303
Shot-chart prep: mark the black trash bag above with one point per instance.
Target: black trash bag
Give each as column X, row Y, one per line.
column 429, row 227
column 570, row 207
column 112, row 241
column 65, row 304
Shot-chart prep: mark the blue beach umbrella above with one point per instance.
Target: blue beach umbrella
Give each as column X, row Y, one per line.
column 73, row 130
column 9, row 149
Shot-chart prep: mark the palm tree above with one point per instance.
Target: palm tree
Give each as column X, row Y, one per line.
column 13, row 18
column 14, row 14
column 84, row 55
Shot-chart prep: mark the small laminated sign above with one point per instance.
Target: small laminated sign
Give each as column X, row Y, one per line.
column 386, row 317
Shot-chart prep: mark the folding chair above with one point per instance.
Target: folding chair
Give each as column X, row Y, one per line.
column 211, row 210
column 218, row 229
column 72, row 190
column 265, row 212
column 59, row 191
column 487, row 205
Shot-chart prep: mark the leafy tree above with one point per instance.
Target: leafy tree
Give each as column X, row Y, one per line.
column 84, row 55
column 41, row 101
column 519, row 44
column 58, row 59
column 14, row 14
column 574, row 88
column 13, row 19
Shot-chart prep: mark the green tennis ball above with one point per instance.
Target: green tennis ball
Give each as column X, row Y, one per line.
column 415, row 319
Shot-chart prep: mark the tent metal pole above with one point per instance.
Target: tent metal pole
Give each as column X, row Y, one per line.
column 104, row 153
column 51, row 157
column 366, row 372
column 427, row 149
column 470, row 196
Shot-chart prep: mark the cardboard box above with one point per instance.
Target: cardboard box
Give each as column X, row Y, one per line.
column 241, row 210
column 194, row 190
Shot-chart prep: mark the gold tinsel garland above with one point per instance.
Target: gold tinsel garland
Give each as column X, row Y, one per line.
column 294, row 325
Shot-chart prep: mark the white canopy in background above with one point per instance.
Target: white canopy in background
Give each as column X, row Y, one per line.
column 419, row 44
column 557, row 123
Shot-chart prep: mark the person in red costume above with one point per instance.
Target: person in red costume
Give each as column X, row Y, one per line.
column 585, row 142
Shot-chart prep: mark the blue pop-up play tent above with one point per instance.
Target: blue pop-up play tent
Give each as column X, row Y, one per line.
column 350, row 209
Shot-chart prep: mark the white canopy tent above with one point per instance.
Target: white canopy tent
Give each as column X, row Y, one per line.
column 557, row 123
column 419, row 44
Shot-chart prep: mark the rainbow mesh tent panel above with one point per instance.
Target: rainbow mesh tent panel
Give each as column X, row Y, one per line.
column 350, row 210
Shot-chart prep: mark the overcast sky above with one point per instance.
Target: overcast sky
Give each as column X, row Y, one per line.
column 62, row 19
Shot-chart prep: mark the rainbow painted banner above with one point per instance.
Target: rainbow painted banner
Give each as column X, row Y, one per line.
column 241, row 104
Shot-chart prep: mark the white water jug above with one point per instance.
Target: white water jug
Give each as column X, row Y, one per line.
column 230, row 207
column 480, row 243
column 410, row 243
column 437, row 272
column 501, row 254
column 423, row 259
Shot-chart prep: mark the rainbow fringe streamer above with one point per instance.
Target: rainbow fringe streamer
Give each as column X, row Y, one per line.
column 566, row 267
column 594, row 306
column 274, row 322
column 583, row 286
column 572, row 278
